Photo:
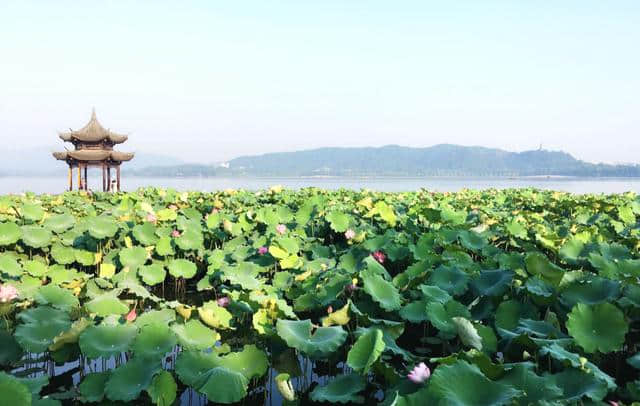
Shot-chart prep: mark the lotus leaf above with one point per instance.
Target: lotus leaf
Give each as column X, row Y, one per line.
column 366, row 351
column 10, row 350
column 381, row 291
column 92, row 386
column 32, row 212
column 40, row 325
column 342, row 389
column 106, row 304
column 163, row 389
column 316, row 343
column 153, row 274
column 182, row 268
column 165, row 316
column 538, row 264
column 70, row 336
column 534, row 388
column 195, row 335
column 63, row 255
column 467, row 333
column 102, row 227
column 128, row 380
column 145, row 234
column 60, row 223
column 492, row 283
column 441, row 316
column 576, row 384
column 214, row 316
column 10, row 233
column 450, row 279
column 56, row 296
column 107, row 340
column 163, row 247
column 600, row 327
column 339, row 221
column 10, row 266
column 133, row 257
column 36, row 236
column 593, row 291
column 153, row 341
column 13, row 391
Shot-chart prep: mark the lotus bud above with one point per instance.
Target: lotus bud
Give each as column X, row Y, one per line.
column 329, row 310
column 526, row 355
column 175, row 234
column 285, row 387
column 281, row 229
column 8, row 293
column 419, row 373
column 263, row 250
column 131, row 316
column 223, row 301
column 583, row 362
column 349, row 234
column 379, row 256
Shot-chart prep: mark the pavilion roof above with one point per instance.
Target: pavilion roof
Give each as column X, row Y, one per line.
column 93, row 155
column 93, row 131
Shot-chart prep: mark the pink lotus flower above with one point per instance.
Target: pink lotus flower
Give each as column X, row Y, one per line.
column 281, row 228
column 349, row 234
column 151, row 218
column 419, row 373
column 173, row 207
column 131, row 316
column 176, row 234
column 329, row 310
column 379, row 256
column 263, row 250
column 223, row 301
column 8, row 293
column 613, row 403
column 214, row 210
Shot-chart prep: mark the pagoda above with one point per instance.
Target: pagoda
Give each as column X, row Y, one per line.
column 93, row 147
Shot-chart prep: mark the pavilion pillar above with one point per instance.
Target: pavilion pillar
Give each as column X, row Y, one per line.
column 108, row 178
column 118, row 177
column 85, row 177
column 104, row 186
column 79, row 177
column 70, row 178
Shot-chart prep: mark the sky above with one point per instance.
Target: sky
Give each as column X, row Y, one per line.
column 207, row 81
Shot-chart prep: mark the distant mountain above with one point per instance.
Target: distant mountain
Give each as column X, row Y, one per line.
column 438, row 160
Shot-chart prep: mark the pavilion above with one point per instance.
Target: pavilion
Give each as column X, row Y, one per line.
column 93, row 147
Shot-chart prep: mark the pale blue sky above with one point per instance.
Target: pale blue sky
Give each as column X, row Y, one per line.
column 210, row 80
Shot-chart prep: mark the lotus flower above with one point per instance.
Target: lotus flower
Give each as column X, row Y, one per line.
column 349, row 234
column 281, row 229
column 223, row 301
column 131, row 316
column 151, row 218
column 419, row 373
column 175, row 234
column 379, row 256
column 214, row 210
column 262, row 250
column 8, row 293
column 329, row 309
column 173, row 207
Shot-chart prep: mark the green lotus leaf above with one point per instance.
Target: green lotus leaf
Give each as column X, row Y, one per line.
column 10, row 350
column 182, row 268
column 60, row 223
column 10, row 266
column 72, row 335
column 492, row 283
column 600, row 327
column 56, row 296
column 102, row 227
column 32, row 212
column 163, row 389
column 510, row 312
column 133, row 257
column 462, row 383
column 415, row 312
column 467, row 333
column 575, row 360
column 63, row 255
column 222, row 385
column 366, row 351
column 14, row 392
column 107, row 340
column 40, row 325
column 338, row 221
column 317, row 344
column 92, row 386
column 381, row 291
column 145, row 233
column 106, row 304
column 10, row 233
column 128, row 380
column 472, row 240
column 35, row 268
column 27, row 286
column 434, row 294
column 195, row 335
column 250, row 362
column 190, row 240
column 577, row 384
column 516, row 229
column 83, row 257
column 441, row 316
column 534, row 388
column 164, row 247
column 214, row 316
column 36, row 236
column 244, row 274
column 538, row 264
column 450, row 279
column 153, row 341
column 592, row 291
column 342, row 389
column 571, row 250
column 166, row 316
column 152, row 274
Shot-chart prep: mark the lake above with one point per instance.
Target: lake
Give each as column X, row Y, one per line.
column 442, row 184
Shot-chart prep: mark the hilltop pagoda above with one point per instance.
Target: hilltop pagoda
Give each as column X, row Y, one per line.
column 93, row 147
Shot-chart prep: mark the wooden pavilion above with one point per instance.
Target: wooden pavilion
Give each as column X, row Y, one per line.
column 93, row 147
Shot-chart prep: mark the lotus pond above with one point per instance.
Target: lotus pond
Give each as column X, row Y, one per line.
column 319, row 297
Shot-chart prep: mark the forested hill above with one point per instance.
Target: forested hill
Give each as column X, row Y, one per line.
column 442, row 160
